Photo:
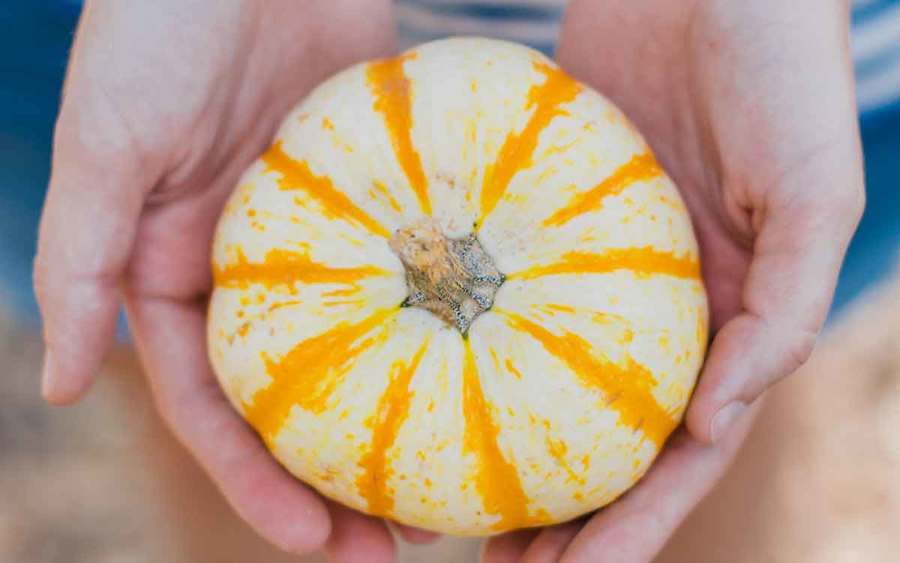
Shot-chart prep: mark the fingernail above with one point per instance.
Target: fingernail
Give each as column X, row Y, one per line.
column 47, row 376
column 725, row 419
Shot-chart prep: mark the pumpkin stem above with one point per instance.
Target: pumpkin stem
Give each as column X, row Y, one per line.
column 454, row 279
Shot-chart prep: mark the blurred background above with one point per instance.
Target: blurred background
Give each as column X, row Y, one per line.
column 819, row 479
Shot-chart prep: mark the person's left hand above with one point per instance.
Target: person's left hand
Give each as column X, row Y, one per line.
column 750, row 108
column 166, row 103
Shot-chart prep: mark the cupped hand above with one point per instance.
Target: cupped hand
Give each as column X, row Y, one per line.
column 750, row 108
column 165, row 104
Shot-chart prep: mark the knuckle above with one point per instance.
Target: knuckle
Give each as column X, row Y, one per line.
column 799, row 344
column 837, row 211
column 844, row 205
column 110, row 145
column 94, row 129
column 856, row 202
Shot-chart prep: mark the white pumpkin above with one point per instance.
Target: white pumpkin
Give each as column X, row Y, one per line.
column 459, row 292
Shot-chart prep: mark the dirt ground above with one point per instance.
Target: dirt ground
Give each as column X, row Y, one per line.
column 102, row 482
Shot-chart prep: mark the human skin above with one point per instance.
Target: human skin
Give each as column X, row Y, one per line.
column 750, row 108
column 748, row 105
column 165, row 104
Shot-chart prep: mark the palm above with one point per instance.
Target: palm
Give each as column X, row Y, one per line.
column 232, row 111
column 165, row 106
column 731, row 96
column 229, row 82
column 750, row 107
column 708, row 85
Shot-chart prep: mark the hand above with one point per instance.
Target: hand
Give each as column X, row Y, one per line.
column 165, row 104
column 749, row 106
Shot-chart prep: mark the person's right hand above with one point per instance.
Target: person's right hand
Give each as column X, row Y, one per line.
column 749, row 106
column 165, row 104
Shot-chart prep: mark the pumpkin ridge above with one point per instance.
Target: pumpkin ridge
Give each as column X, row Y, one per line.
column 627, row 389
column 516, row 153
column 639, row 167
column 496, row 479
column 285, row 267
column 309, row 373
column 642, row 261
column 392, row 90
column 390, row 414
column 297, row 175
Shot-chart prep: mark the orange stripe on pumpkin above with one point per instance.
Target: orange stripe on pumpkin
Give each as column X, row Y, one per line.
column 286, row 268
column 297, row 175
column 558, row 449
column 309, row 373
column 378, row 188
column 643, row 261
column 390, row 414
column 511, row 368
column 640, row 167
column 627, row 389
column 393, row 100
column 553, row 308
column 496, row 478
column 516, row 153
column 283, row 304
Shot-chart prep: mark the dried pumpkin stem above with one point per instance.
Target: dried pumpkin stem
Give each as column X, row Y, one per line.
column 454, row 279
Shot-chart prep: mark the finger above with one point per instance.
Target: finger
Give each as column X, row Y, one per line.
column 804, row 186
column 797, row 256
column 86, row 234
column 170, row 336
column 509, row 547
column 97, row 188
column 551, row 542
column 637, row 526
column 357, row 538
column 415, row 535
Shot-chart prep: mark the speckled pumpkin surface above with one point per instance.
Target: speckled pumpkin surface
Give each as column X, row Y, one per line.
column 459, row 292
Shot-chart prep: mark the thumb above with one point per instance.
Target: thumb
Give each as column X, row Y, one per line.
column 87, row 230
column 86, row 234
column 786, row 296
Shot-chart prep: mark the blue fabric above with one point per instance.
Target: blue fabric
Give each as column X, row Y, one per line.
column 868, row 10
column 488, row 12
column 875, row 249
column 35, row 36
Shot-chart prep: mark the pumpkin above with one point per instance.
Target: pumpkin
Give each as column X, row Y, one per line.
column 459, row 292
